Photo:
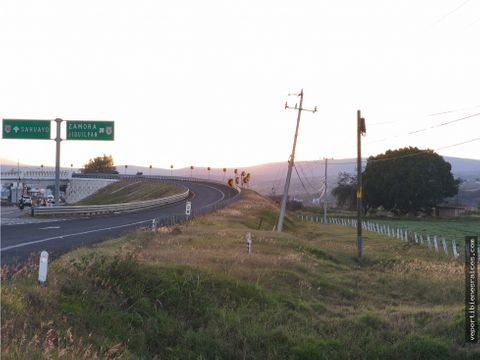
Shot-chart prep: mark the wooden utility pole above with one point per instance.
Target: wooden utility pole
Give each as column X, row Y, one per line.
column 325, row 196
column 361, row 130
column 291, row 161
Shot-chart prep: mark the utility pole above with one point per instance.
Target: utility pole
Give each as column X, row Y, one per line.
column 361, row 130
column 291, row 160
column 58, row 140
column 325, row 197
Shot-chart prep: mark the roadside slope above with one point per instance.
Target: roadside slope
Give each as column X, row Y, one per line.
column 192, row 291
column 125, row 191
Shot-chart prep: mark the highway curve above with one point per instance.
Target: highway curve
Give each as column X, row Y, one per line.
column 58, row 237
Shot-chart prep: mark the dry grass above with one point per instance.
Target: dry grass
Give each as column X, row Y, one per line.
column 400, row 289
column 125, row 191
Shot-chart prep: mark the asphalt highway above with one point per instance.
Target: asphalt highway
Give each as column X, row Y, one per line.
column 18, row 242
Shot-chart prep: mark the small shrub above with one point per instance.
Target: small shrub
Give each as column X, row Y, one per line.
column 320, row 350
column 420, row 348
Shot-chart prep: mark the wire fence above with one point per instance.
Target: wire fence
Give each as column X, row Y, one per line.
column 433, row 242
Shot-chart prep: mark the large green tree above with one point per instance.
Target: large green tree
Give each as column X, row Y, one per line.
column 408, row 180
column 100, row 164
column 345, row 191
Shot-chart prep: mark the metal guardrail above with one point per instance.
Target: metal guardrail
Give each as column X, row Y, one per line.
column 144, row 177
column 173, row 219
column 109, row 209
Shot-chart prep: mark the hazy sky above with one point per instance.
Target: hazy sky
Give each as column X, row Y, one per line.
column 205, row 82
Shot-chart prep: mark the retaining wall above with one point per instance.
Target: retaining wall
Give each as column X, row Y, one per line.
column 80, row 188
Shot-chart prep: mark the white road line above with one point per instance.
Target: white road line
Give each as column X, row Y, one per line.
column 220, row 191
column 98, row 230
column 49, row 227
column 74, row 234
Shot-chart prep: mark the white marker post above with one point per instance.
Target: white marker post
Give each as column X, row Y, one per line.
column 429, row 242
column 444, row 243
column 188, row 208
column 248, row 237
column 454, row 248
column 43, row 268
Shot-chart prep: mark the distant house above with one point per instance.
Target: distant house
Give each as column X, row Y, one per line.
column 449, row 211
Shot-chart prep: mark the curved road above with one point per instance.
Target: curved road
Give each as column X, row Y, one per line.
column 57, row 237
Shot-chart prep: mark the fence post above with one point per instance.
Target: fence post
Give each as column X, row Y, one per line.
column 416, row 237
column 429, row 242
column 444, row 246
column 454, row 248
column 435, row 243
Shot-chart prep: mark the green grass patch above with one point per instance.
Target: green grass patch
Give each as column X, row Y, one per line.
column 192, row 292
column 125, row 191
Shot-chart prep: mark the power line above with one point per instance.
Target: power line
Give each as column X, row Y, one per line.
column 420, row 153
column 452, row 11
column 445, row 123
column 301, row 182
column 425, row 129
column 306, row 178
column 278, row 177
column 343, row 163
column 457, row 144
column 453, row 111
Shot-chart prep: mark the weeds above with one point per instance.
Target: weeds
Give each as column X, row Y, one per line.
column 192, row 292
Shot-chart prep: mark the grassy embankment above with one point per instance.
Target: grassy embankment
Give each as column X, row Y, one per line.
column 452, row 229
column 125, row 191
column 192, row 292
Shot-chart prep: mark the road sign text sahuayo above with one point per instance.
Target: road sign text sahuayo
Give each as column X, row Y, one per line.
column 90, row 130
column 26, row 129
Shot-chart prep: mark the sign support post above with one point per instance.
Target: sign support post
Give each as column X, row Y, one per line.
column 58, row 140
column 40, row 129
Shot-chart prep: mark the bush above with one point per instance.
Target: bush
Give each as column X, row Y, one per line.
column 420, row 348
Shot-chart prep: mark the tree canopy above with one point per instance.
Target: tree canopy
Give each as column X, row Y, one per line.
column 407, row 180
column 345, row 191
column 100, row 164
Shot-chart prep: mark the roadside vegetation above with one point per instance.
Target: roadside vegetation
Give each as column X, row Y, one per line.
column 454, row 228
column 125, row 191
column 192, row 292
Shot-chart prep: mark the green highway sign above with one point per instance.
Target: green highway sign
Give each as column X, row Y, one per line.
column 90, row 130
column 25, row 129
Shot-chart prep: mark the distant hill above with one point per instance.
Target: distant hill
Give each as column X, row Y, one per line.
column 465, row 167
column 270, row 178
column 6, row 162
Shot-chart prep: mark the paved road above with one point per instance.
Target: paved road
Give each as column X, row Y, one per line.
column 56, row 237
column 12, row 215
